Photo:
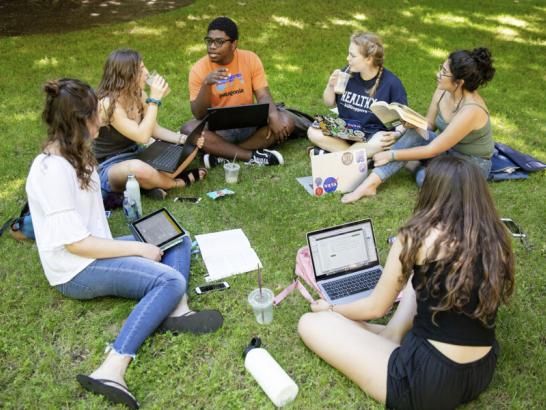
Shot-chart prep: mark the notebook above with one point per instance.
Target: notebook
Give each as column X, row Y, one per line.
column 339, row 171
column 165, row 156
column 158, row 228
column 345, row 261
column 238, row 116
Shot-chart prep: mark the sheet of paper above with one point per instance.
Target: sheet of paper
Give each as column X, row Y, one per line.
column 227, row 253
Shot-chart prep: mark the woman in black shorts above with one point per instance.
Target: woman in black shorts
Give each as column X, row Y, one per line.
column 439, row 348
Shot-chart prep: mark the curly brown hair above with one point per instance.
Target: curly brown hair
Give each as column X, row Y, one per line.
column 120, row 80
column 69, row 108
column 456, row 201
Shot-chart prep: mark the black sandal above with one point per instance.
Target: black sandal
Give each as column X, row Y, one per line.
column 111, row 390
column 194, row 173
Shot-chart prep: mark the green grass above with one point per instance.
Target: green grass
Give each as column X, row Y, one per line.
column 46, row 339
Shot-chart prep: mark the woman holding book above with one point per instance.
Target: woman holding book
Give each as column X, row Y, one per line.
column 78, row 255
column 130, row 119
column 370, row 82
column 459, row 115
column 439, row 349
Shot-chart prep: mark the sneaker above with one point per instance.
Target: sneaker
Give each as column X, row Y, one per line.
column 316, row 151
column 210, row 161
column 263, row 157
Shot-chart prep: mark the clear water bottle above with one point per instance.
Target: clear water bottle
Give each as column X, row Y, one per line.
column 279, row 386
column 129, row 208
column 133, row 191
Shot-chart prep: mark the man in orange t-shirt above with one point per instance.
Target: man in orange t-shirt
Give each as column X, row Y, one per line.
column 226, row 77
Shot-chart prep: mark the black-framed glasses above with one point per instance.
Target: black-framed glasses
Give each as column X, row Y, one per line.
column 443, row 72
column 218, row 42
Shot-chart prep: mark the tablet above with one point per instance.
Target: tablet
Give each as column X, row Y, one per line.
column 158, row 228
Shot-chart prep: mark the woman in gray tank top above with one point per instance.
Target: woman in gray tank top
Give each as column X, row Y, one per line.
column 457, row 113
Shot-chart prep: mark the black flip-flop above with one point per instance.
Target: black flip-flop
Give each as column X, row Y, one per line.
column 104, row 387
column 195, row 173
column 204, row 321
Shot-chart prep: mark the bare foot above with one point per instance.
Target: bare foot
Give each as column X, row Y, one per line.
column 357, row 194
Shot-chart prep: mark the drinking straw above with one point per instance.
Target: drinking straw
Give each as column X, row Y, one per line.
column 234, row 158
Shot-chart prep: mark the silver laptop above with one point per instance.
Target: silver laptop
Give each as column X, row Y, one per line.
column 158, row 228
column 345, row 261
column 339, row 171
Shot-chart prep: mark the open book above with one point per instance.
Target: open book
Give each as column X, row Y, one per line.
column 227, row 253
column 391, row 114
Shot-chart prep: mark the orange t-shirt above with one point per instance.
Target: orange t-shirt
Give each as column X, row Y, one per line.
column 246, row 74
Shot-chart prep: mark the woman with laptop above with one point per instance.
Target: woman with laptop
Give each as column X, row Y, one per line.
column 458, row 113
column 369, row 82
column 454, row 260
column 130, row 120
column 80, row 258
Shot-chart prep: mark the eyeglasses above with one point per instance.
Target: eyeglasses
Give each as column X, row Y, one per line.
column 443, row 72
column 218, row 42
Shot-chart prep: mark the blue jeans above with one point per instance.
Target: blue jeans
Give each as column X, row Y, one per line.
column 158, row 286
column 412, row 139
column 105, row 166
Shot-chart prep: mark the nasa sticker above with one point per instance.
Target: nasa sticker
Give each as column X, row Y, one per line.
column 347, row 158
column 330, row 184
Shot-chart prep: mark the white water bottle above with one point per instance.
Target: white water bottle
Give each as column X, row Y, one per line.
column 271, row 377
column 133, row 192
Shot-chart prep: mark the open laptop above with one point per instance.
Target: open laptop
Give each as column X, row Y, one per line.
column 345, row 261
column 158, row 228
column 165, row 156
column 238, row 116
column 339, row 171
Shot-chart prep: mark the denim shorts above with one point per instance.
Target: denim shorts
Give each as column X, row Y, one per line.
column 237, row 135
column 421, row 377
column 105, row 166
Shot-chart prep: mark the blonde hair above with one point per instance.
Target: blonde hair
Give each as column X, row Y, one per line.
column 371, row 45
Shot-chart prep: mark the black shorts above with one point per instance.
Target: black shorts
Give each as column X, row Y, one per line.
column 421, row 377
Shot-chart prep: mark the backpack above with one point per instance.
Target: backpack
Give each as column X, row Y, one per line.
column 303, row 270
column 508, row 163
column 20, row 227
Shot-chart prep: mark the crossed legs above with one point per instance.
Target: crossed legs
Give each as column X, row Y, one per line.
column 360, row 351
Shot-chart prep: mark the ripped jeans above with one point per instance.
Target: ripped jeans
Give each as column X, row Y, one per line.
column 158, row 286
column 412, row 139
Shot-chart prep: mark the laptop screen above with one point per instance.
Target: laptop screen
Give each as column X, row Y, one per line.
column 342, row 249
column 158, row 228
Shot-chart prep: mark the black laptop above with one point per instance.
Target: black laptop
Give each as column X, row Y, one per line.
column 238, row 116
column 165, row 156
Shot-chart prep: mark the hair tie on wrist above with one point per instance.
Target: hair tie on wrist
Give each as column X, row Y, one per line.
column 392, row 155
column 155, row 101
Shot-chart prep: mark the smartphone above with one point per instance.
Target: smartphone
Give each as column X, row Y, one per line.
column 211, row 287
column 513, row 227
column 192, row 199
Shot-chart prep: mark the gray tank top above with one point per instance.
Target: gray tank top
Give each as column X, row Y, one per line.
column 111, row 142
column 477, row 143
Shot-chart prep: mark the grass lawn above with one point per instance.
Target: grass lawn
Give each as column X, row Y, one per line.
column 46, row 339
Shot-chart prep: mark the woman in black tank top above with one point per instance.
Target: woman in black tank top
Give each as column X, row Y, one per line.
column 438, row 350
column 130, row 120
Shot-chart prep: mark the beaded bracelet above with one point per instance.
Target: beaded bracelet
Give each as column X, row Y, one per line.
column 155, row 101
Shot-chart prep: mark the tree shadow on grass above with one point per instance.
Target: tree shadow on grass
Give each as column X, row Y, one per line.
column 24, row 17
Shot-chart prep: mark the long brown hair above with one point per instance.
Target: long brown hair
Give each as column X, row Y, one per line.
column 456, row 201
column 120, row 80
column 69, row 108
column 370, row 44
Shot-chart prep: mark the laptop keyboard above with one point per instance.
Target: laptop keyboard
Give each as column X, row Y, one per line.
column 353, row 284
column 168, row 158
